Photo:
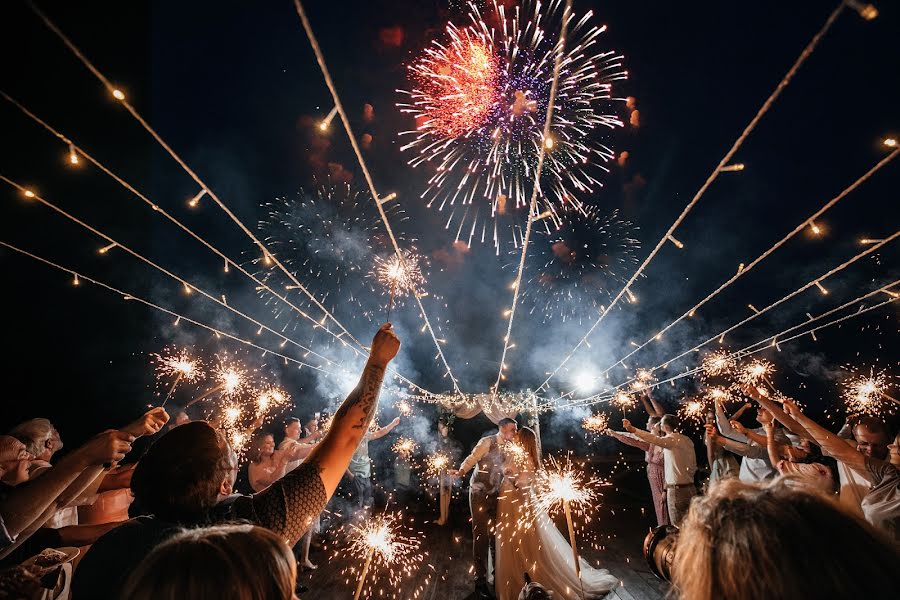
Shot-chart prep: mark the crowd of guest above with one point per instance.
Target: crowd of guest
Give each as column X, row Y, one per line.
column 788, row 508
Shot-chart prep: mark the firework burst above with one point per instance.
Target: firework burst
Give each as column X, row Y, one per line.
column 327, row 239
column 575, row 264
column 479, row 97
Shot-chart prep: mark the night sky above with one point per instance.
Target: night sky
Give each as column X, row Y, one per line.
column 234, row 88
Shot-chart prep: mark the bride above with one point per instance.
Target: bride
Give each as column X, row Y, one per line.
column 527, row 541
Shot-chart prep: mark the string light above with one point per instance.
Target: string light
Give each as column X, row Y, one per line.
column 890, row 142
column 822, row 289
column 734, row 167
column 178, row 223
column 107, row 248
column 677, row 243
column 73, row 156
column 118, row 94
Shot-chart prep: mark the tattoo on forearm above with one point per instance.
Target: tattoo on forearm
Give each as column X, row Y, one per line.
column 364, row 398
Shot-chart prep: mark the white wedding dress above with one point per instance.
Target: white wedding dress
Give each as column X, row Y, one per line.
column 527, row 540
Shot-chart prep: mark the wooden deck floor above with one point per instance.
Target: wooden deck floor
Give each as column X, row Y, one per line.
column 621, row 522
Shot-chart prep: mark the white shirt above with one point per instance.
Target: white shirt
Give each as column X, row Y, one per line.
column 854, row 487
column 679, row 458
column 755, row 465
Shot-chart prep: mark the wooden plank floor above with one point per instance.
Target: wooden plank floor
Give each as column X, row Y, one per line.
column 621, row 523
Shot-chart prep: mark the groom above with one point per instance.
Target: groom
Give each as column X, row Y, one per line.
column 487, row 458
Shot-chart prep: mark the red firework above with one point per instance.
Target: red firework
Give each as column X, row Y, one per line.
column 461, row 83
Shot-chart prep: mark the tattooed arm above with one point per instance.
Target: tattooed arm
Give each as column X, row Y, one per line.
column 289, row 505
column 351, row 421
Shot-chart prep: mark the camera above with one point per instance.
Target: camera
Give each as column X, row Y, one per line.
column 659, row 550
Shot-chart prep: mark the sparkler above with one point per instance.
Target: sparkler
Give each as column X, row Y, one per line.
column 181, row 365
column 597, row 423
column 642, row 380
column 718, row 394
column 382, row 542
column 562, row 484
column 756, row 372
column 575, row 259
column 693, row 410
column 405, row 447
column 232, row 380
column 478, row 96
column 866, row 394
column 269, row 399
column 623, row 400
column 403, row 407
column 517, row 452
column 436, row 464
column 401, row 276
column 717, row 363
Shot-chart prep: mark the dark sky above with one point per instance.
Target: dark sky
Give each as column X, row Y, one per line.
column 234, row 88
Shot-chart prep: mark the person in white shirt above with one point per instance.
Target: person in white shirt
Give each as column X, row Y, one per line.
column 750, row 444
column 680, row 464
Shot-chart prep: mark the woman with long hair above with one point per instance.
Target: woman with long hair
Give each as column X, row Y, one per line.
column 527, row 540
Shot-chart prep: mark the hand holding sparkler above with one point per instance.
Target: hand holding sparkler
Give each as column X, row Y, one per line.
column 150, row 423
column 105, row 448
column 627, row 426
column 385, row 346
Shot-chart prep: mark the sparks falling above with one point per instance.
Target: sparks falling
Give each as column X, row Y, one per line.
column 405, row 447
column 597, row 423
column 867, row 394
column 479, row 96
column 717, row 364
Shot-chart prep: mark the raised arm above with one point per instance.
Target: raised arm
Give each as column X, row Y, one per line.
column 665, row 442
column 772, row 447
column 289, row 505
column 752, row 436
column 737, row 415
column 628, row 439
column 380, row 433
column 725, row 428
column 770, row 405
column 830, row 443
column 28, row 505
column 740, row 448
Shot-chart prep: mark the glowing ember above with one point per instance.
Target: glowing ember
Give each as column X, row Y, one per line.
column 405, row 447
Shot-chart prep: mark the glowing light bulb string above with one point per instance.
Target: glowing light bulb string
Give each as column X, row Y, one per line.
column 131, row 297
column 747, row 268
column 267, row 256
column 804, row 55
column 752, row 348
column 532, row 211
column 320, row 58
column 185, row 283
column 228, row 261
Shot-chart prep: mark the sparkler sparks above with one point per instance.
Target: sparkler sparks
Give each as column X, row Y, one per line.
column 383, row 542
column 717, row 393
column 717, row 364
column 693, row 410
column 479, row 96
column 866, row 394
column 624, row 401
column 180, row 365
column 405, row 447
column 576, row 262
column 270, row 399
column 755, row 372
column 436, row 464
column 642, row 380
column 404, row 408
column 398, row 277
column 562, row 482
column 597, row 423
